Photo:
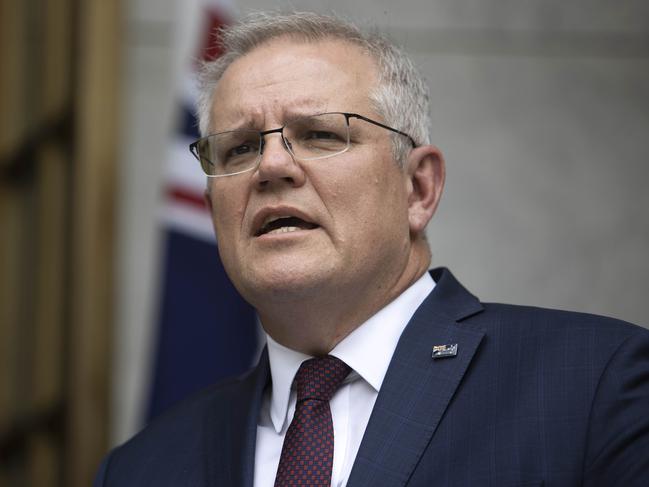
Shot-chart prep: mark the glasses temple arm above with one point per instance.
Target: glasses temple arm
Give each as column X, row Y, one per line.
column 379, row 124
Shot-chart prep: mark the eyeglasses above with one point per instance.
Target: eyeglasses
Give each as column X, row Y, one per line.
column 306, row 138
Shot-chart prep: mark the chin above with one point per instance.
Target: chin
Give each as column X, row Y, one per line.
column 284, row 283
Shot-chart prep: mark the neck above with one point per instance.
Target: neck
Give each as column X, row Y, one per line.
column 316, row 323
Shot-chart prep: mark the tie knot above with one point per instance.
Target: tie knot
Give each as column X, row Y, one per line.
column 318, row 378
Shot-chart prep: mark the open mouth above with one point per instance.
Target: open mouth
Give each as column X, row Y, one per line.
column 284, row 225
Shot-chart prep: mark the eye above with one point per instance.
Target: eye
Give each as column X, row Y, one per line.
column 321, row 135
column 239, row 150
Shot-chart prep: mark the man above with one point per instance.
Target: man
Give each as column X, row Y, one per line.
column 321, row 180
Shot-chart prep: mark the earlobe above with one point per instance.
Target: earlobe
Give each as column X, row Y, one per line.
column 426, row 172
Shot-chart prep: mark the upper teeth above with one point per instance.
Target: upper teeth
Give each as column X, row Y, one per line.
column 284, row 230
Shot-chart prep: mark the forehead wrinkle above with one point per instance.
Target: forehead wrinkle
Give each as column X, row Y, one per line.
column 256, row 118
column 247, row 84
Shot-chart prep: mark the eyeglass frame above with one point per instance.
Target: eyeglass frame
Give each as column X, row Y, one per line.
column 193, row 147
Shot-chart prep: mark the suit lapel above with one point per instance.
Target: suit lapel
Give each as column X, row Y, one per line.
column 231, row 429
column 417, row 389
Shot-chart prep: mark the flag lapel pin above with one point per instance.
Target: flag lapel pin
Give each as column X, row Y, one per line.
column 444, row 351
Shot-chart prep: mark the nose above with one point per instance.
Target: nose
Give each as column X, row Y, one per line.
column 277, row 165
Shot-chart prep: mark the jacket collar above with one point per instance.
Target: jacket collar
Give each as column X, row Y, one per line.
column 418, row 388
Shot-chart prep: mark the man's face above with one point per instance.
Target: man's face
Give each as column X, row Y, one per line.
column 349, row 231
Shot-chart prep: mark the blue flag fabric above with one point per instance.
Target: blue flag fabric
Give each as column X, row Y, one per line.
column 205, row 330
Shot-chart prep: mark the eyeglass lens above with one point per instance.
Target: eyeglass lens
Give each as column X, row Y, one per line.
column 314, row 137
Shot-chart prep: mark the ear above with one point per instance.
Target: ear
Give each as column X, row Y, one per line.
column 426, row 173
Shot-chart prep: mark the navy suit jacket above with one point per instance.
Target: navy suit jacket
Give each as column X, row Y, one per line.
column 533, row 397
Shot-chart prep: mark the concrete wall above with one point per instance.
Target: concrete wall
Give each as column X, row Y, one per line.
column 542, row 110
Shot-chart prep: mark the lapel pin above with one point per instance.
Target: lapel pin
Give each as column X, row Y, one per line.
column 444, row 351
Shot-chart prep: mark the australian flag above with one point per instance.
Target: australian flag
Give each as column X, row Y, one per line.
column 205, row 330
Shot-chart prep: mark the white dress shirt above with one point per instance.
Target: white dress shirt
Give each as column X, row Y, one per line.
column 368, row 351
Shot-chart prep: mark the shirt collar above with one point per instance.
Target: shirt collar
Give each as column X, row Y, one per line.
column 367, row 350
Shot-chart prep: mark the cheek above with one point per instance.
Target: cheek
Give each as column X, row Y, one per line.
column 391, row 210
column 368, row 188
column 227, row 224
column 376, row 212
column 227, row 215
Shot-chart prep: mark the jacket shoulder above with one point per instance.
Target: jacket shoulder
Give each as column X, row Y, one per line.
column 168, row 450
column 188, row 414
column 554, row 320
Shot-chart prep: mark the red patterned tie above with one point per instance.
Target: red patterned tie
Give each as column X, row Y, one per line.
column 308, row 450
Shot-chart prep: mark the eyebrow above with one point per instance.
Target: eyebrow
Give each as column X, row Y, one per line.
column 304, row 108
column 248, row 121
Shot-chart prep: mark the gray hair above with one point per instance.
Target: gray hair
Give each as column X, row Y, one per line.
column 400, row 97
